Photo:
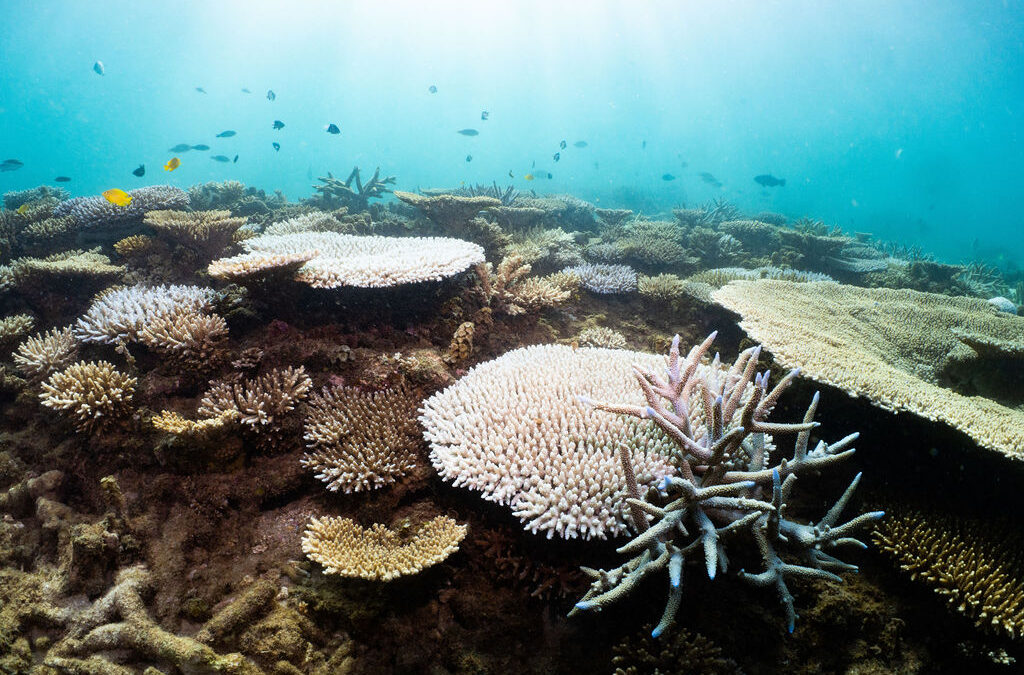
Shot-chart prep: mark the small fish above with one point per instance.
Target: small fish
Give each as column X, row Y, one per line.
column 201, row 146
column 643, row 145
column 98, row 68
column 469, row 158
column 221, row 158
column 200, row 90
column 561, row 146
column 528, row 176
column 580, row 144
column 180, row 147
column 118, row 197
column 557, row 156
column 245, row 90
column 768, row 180
column 333, row 129
column 667, row 177
column 23, row 209
column 62, row 179
column 226, row 134
column 539, row 175
column 140, row 172
column 172, row 164
column 11, row 165
column 278, row 124
column 235, row 160
column 277, row 146
column 709, row 179
column 271, row 95
column 468, row 132
column 484, row 115
column 432, row 89
column 510, row 174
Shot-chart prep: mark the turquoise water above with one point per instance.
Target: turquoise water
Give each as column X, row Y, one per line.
column 895, row 118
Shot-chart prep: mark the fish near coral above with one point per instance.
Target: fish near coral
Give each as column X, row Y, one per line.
column 172, row 164
column 117, row 196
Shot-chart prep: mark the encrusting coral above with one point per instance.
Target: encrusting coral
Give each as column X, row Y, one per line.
column 333, row 260
column 378, row 553
column 900, row 349
column 978, row 568
column 93, row 394
column 511, row 430
column 723, row 483
column 360, row 440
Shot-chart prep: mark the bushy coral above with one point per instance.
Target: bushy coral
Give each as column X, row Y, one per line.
column 92, row 394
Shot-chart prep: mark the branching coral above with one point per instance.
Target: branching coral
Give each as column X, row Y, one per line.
column 358, row 440
column 510, row 290
column 97, row 211
column 721, row 483
column 42, row 354
column 378, row 553
column 204, row 233
column 599, row 336
column 461, row 345
column 123, row 313
column 539, row 247
column 720, row 276
column 511, row 430
column 191, row 339
column 92, row 394
column 15, row 327
column 88, row 268
column 605, row 279
column 358, row 199
column 976, row 567
column 259, row 403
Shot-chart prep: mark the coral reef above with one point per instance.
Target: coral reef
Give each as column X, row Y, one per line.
column 259, row 403
column 378, row 553
column 97, row 211
column 720, row 276
column 347, row 260
column 510, row 430
column 722, row 474
column 599, row 336
column 360, row 440
column 336, row 193
column 510, row 290
column 605, row 279
column 203, row 233
column 897, row 348
column 461, row 345
column 42, row 354
column 976, row 565
column 685, row 653
column 123, row 314
column 93, row 394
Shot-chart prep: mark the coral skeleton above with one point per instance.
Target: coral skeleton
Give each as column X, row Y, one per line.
column 724, row 484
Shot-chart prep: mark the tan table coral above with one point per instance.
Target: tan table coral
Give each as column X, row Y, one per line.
column 378, row 553
column 893, row 347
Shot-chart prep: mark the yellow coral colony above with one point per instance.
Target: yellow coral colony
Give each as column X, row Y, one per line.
column 378, row 553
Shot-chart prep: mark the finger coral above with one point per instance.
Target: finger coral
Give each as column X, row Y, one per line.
column 896, row 348
column 14, row 327
column 378, row 553
column 350, row 260
column 93, row 394
column 360, row 440
column 258, row 403
column 512, row 430
column 512, row 291
column 42, row 354
column 191, row 339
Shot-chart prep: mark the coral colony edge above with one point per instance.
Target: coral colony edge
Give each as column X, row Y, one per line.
column 482, row 430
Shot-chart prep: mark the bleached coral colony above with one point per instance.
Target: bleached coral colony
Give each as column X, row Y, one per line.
column 356, row 434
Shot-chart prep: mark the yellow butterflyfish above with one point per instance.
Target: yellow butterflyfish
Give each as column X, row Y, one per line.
column 117, row 196
column 23, row 208
column 528, row 176
column 173, row 164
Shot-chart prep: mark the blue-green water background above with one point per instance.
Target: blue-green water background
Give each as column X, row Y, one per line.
column 898, row 118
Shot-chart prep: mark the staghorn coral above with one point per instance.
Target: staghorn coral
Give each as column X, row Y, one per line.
column 510, row 290
column 973, row 563
column 15, row 327
column 720, row 276
column 599, row 336
column 360, row 440
column 511, row 430
column 122, row 314
column 897, row 348
column 722, row 482
column 204, row 233
column 349, row 260
column 462, row 343
column 605, row 279
column 334, row 191
column 259, row 403
column 44, row 353
column 93, row 394
column 378, row 553
column 97, row 211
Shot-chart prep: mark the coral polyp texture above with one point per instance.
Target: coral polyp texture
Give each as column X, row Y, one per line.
column 976, row 567
column 97, row 211
column 361, row 440
column 377, row 553
column 512, row 430
column 206, row 232
column 899, row 349
column 92, row 394
column 605, row 279
column 349, row 260
column 42, row 354
column 122, row 314
column 724, row 483
column 260, row 402
column 600, row 336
